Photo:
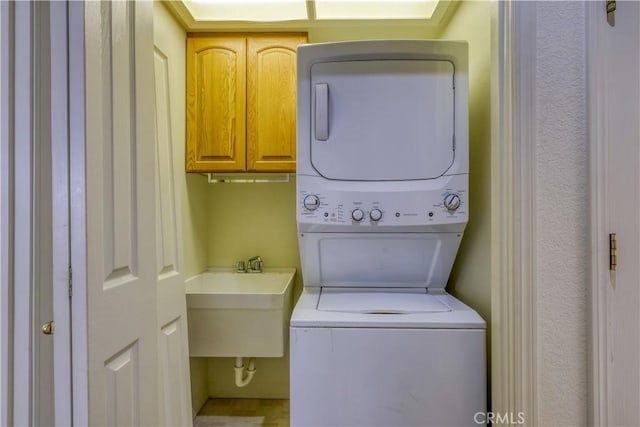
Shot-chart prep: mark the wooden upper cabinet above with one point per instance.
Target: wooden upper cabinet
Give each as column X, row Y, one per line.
column 241, row 102
column 216, row 104
column 271, row 105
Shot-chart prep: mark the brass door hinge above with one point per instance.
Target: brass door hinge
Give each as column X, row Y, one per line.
column 611, row 12
column 613, row 252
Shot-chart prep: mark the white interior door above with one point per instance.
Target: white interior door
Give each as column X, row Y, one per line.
column 169, row 59
column 59, row 280
column 43, row 382
column 19, row 123
column 120, row 214
column 35, row 210
column 616, row 102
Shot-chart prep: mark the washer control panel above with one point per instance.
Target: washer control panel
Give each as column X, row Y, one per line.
column 447, row 205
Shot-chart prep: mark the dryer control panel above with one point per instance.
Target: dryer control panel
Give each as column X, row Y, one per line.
column 410, row 206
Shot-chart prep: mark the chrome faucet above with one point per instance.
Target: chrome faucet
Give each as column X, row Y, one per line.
column 254, row 265
column 241, row 268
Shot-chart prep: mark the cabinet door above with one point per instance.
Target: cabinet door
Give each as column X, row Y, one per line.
column 271, row 104
column 216, row 104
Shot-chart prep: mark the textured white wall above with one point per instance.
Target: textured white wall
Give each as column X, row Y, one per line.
column 561, row 214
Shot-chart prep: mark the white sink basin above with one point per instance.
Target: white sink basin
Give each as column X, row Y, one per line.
column 233, row 314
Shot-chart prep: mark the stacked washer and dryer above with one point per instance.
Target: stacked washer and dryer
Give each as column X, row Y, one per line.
column 382, row 204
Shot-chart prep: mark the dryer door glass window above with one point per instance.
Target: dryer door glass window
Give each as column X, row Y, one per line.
column 382, row 119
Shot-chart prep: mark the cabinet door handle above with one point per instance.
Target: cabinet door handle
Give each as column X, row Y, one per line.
column 322, row 111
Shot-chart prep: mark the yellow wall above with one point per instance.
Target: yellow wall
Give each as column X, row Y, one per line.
column 471, row 277
column 196, row 221
column 252, row 219
column 244, row 220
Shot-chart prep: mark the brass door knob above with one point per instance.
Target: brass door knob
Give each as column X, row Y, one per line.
column 47, row 328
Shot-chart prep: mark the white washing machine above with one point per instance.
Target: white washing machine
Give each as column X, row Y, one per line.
column 382, row 204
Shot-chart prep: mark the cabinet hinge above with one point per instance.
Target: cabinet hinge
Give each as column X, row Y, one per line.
column 70, row 282
column 613, row 252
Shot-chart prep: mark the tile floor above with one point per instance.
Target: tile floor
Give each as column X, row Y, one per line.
column 274, row 411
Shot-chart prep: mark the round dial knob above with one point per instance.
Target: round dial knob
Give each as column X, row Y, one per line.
column 357, row 215
column 452, row 201
column 375, row 214
column 311, row 202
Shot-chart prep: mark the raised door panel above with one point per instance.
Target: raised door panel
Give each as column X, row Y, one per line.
column 173, row 354
column 216, row 94
column 167, row 249
column 120, row 200
column 175, row 399
column 271, row 103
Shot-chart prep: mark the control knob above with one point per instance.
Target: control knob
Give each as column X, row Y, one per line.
column 357, row 215
column 375, row 214
column 311, row 202
column 451, row 201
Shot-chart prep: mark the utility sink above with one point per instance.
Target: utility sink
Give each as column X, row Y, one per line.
column 234, row 314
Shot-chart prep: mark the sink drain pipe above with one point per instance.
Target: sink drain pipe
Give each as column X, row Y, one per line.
column 244, row 375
